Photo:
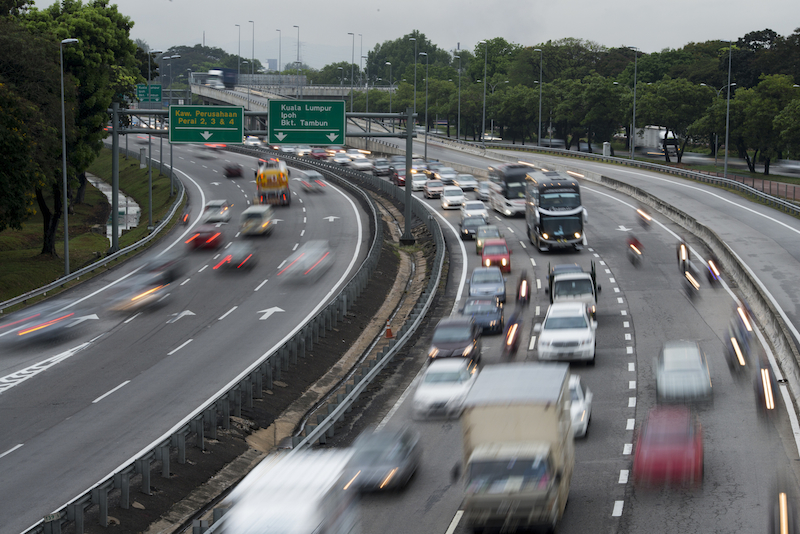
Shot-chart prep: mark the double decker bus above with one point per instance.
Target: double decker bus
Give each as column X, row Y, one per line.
column 554, row 214
column 507, row 188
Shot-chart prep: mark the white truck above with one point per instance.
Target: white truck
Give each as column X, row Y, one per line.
column 571, row 283
column 519, row 450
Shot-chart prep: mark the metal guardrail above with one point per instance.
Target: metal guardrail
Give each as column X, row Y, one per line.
column 89, row 268
column 250, row 382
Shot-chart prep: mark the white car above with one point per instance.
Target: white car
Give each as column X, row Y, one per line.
column 467, row 182
column 286, row 149
column 354, row 153
column 418, row 181
column 363, row 165
column 302, row 150
column 252, row 140
column 444, row 387
column 452, row 197
column 567, row 333
column 341, row 159
column 474, row 207
column 581, row 406
column 216, row 211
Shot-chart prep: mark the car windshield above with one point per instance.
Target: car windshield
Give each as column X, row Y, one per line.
column 571, row 288
column 667, row 433
column 487, row 277
column 515, row 190
column 495, row 250
column 523, row 474
column 563, row 323
column 434, row 183
column 474, row 206
column 474, row 221
column 488, row 232
column 681, row 361
column 449, row 334
column 573, row 394
column 446, row 377
column 466, row 178
column 253, row 216
column 560, row 200
column 452, row 193
column 480, row 306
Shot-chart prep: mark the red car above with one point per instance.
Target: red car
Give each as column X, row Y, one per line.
column 397, row 176
column 206, row 236
column 496, row 252
column 669, row 450
column 319, row 153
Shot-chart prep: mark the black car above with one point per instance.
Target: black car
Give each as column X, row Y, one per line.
column 456, row 337
column 487, row 313
column 397, row 175
column 470, row 225
column 397, row 161
column 380, row 167
column 433, row 166
column 384, row 459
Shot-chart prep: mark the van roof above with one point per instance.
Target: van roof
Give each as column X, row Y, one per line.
column 518, row 383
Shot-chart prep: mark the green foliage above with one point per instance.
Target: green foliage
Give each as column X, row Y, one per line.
column 787, row 123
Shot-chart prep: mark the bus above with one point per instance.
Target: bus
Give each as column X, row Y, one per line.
column 554, row 215
column 507, row 188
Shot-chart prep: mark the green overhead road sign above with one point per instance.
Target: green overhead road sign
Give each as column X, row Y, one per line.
column 306, row 122
column 155, row 92
column 206, row 124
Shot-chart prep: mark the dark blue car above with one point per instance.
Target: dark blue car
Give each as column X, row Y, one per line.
column 487, row 313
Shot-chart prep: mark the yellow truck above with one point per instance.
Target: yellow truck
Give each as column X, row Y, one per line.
column 272, row 182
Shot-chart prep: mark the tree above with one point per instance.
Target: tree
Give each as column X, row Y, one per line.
column 787, row 123
column 604, row 109
column 501, row 55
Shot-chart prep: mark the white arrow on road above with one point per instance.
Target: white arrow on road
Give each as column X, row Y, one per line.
column 280, row 136
column 214, row 183
column 330, row 218
column 206, row 135
column 623, row 229
column 79, row 320
column 177, row 316
column 332, row 136
column 267, row 313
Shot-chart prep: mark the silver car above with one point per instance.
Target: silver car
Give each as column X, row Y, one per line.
column 444, row 386
column 487, row 281
column 467, row 182
column 682, row 373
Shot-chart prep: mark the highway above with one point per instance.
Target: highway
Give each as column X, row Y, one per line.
column 77, row 407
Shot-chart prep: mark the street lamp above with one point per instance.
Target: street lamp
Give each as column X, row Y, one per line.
column 239, row 55
column 426, row 103
column 360, row 52
column 366, row 110
column 352, row 65
column 716, row 140
column 458, row 127
column 415, row 73
column 279, row 52
column 493, row 88
column 150, row 143
column 483, row 117
column 64, row 157
column 728, row 110
column 539, row 135
column 252, row 59
column 170, row 58
column 390, row 91
column 297, row 73
column 635, row 76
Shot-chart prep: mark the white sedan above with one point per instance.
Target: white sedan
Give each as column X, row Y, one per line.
column 363, row 165
column 444, row 387
column 567, row 333
column 474, row 207
column 452, row 197
column 418, row 181
column 581, row 406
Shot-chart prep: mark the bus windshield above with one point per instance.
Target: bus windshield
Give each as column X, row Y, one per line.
column 562, row 226
column 563, row 200
column 515, row 190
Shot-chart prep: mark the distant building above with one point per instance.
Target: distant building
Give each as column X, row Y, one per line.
column 272, row 64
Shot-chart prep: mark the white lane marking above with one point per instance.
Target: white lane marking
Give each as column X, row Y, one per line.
column 627, row 337
column 12, row 449
column 533, row 262
column 623, row 476
column 619, row 300
column 627, row 449
column 301, row 200
column 304, row 220
column 522, row 244
column 282, row 264
column 608, row 271
column 596, row 255
column 185, row 281
column 229, row 244
column 537, row 311
column 629, row 350
column 103, row 396
column 227, row 313
column 612, row 281
column 626, row 324
column 630, row 424
column 538, row 284
column 9, row 381
column 532, row 344
column 205, row 167
column 237, row 234
column 631, row 384
column 460, row 241
column 454, row 522
column 590, row 249
column 498, row 218
column 295, row 247
column 302, row 233
column 624, row 312
column 203, row 268
column 131, row 318
column 215, row 257
column 631, row 402
column 631, row 367
column 617, row 512
column 510, row 229
column 602, row 262
column 304, row 209
column 616, row 290
column 173, row 351
column 260, row 285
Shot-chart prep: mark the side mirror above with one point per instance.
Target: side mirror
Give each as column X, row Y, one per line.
column 537, row 327
column 546, row 290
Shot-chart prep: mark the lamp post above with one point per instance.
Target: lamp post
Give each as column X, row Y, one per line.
column 390, row 91
column 539, row 135
column 494, row 85
column 341, row 78
column 352, row 65
column 415, row 73
column 64, row 157
column 239, row 55
column 483, row 117
column 150, row 144
column 458, row 127
column 366, row 110
column 188, row 88
column 635, row 76
column 279, row 52
column 298, row 60
column 360, row 52
column 252, row 60
column 170, row 58
column 716, row 139
column 728, row 110
column 426, row 103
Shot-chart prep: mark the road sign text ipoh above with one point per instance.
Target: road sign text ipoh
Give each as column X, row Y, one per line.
column 206, row 124
column 306, row 122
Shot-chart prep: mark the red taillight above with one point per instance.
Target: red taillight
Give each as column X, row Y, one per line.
column 244, row 260
column 213, row 237
column 295, row 261
column 224, row 260
column 44, row 325
column 312, row 267
column 195, row 236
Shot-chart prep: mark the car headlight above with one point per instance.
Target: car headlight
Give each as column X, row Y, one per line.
column 504, row 262
column 586, row 341
column 480, row 243
column 467, row 351
column 487, row 262
column 545, row 236
column 433, row 352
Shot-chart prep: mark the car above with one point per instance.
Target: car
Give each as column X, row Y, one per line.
column 452, row 197
column 286, row 149
column 43, row 321
column 474, row 207
column 418, row 182
column 206, row 236
column 682, row 373
column 433, row 188
column 252, row 140
column 380, row 167
column 313, row 181
column 333, row 150
column 431, row 167
column 240, row 256
column 397, row 161
column 567, row 333
column 419, row 168
column 456, row 337
column 580, row 408
column 487, row 281
column 398, row 176
column 319, row 153
column 363, row 165
column 443, row 388
column 257, row 220
column 496, row 252
column 483, row 191
column 140, row 291
column 487, row 312
column 669, row 449
column 216, row 211
column 483, row 233
column 309, row 262
column 302, row 150
column 341, row 159
column 354, row 153
column 233, row 170
column 446, row 174
column 466, row 182
column 469, row 226
column 383, row 460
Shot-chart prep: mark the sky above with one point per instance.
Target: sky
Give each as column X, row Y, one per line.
column 651, row 25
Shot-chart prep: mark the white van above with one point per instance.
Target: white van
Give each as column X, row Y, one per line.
column 257, row 220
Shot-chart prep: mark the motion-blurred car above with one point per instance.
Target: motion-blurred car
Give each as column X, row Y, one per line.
column 313, row 182
column 286, row 149
column 383, row 459
column 466, row 182
column 669, row 450
column 446, row 174
column 398, row 176
column 206, row 236
column 363, row 165
column 341, row 159
column 397, row 161
column 240, row 256
column 443, row 387
column 302, row 150
column 140, row 291
column 456, row 337
column 308, row 262
column 319, row 153
column 581, row 407
column 496, row 252
column 216, row 211
column 433, row 188
column 452, row 197
column 567, row 333
column 354, row 153
column 380, row 167
column 252, row 140
column 233, row 170
column 257, row 220
column 469, row 226
column 418, row 182
column 430, row 169
column 682, row 373
column 474, row 207
column 43, row 321
column 483, row 233
column 487, row 313
column 483, row 191
column 487, row 281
